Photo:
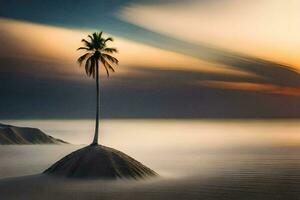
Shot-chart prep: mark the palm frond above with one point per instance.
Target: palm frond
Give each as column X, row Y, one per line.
column 110, row 50
column 107, row 72
column 95, row 36
column 91, row 37
column 82, row 58
column 107, row 66
column 92, row 68
column 88, row 66
column 93, row 42
column 108, row 39
column 111, row 68
column 84, row 48
column 100, row 34
column 87, row 43
column 110, row 58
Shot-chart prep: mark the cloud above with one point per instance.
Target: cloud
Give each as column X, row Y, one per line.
column 42, row 43
column 267, row 29
column 156, row 93
column 40, row 78
column 248, row 86
column 205, row 29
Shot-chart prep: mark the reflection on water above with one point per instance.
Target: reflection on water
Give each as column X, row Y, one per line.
column 196, row 159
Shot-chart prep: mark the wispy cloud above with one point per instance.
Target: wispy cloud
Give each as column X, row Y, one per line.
column 248, row 86
column 50, row 44
column 259, row 37
column 267, row 28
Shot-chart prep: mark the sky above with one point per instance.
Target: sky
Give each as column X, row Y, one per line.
column 178, row 59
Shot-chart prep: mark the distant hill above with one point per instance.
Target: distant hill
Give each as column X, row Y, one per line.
column 25, row 135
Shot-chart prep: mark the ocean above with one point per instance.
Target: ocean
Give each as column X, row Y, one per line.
column 196, row 159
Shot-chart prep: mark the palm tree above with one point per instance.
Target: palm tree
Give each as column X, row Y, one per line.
column 96, row 51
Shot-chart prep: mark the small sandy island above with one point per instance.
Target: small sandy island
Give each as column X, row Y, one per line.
column 97, row 161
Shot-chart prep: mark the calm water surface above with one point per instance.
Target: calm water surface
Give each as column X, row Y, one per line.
column 195, row 158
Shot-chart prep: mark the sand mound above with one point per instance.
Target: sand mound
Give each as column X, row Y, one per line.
column 96, row 161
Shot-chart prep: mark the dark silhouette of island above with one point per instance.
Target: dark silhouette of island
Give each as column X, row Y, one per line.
column 97, row 161
column 24, row 135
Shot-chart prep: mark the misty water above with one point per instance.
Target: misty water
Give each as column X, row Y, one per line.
column 208, row 159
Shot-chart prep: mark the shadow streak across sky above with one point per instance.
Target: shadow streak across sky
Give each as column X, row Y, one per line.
column 155, row 93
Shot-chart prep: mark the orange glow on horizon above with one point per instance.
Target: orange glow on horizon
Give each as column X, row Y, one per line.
column 257, row 87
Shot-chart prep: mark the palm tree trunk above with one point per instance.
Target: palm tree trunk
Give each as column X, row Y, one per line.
column 95, row 140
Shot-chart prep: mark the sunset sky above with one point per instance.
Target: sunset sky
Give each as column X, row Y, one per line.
column 178, row 59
